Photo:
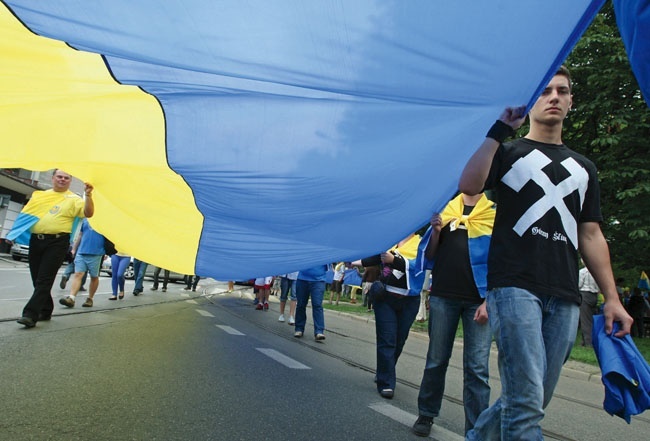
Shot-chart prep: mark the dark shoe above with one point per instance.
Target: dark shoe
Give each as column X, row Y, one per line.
column 27, row 322
column 67, row 301
column 121, row 296
column 164, row 290
column 112, row 298
column 422, row 426
column 387, row 393
column 64, row 280
column 82, row 289
column 88, row 303
column 44, row 318
column 136, row 292
column 154, row 288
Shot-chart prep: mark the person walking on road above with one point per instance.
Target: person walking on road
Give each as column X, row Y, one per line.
column 45, row 223
column 395, row 308
column 458, row 245
column 311, row 283
column 288, row 291
column 88, row 251
column 139, row 270
column 119, row 264
column 548, row 210
column 156, row 275
column 589, row 304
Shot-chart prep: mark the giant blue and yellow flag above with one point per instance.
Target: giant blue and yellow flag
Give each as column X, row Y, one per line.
column 237, row 139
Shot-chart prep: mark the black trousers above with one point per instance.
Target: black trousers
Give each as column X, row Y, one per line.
column 156, row 274
column 46, row 254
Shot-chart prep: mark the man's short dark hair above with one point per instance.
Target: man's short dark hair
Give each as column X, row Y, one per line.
column 564, row 71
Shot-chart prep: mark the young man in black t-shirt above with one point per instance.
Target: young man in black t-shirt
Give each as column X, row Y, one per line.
column 548, row 209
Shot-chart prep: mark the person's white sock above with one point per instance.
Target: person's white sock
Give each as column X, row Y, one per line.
column 72, row 297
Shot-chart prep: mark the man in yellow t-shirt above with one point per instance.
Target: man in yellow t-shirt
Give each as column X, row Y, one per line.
column 56, row 210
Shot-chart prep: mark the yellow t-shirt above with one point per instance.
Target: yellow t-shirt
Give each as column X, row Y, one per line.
column 61, row 215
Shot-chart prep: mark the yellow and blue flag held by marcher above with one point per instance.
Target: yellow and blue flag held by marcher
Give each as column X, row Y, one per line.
column 479, row 224
column 644, row 283
column 41, row 203
column 232, row 139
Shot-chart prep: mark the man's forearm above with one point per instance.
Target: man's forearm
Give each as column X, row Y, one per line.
column 476, row 171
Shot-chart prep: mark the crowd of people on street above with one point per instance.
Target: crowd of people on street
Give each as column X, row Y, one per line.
column 508, row 271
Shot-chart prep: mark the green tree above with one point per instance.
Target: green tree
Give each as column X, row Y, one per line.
column 610, row 124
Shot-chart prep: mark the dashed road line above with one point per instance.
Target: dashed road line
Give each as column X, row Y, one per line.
column 406, row 418
column 201, row 311
column 229, row 330
column 282, row 359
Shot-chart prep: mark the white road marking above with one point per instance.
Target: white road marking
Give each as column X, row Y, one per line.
column 184, row 294
column 282, row 359
column 200, row 311
column 403, row 417
column 229, row 330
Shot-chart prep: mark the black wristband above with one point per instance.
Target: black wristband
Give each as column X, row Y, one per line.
column 500, row 131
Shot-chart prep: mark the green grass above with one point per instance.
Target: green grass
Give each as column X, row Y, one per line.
column 579, row 353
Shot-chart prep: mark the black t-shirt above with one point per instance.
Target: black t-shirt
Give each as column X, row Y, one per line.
column 451, row 276
column 543, row 192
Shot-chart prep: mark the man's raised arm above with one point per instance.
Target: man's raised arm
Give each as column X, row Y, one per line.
column 476, row 171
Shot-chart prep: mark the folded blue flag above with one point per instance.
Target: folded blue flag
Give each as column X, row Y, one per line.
column 625, row 373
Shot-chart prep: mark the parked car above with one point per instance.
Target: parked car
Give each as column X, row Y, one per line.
column 19, row 252
column 130, row 274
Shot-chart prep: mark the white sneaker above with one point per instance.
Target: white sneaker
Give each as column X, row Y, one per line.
column 292, row 321
column 297, row 334
column 281, row 319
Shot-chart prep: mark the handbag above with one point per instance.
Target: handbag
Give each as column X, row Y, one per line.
column 377, row 291
column 109, row 247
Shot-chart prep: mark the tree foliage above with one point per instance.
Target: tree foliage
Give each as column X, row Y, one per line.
column 610, row 124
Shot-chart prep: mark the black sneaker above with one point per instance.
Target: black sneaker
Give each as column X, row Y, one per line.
column 422, row 426
column 63, row 282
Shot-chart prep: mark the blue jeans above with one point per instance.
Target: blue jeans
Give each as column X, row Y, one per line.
column 304, row 289
column 393, row 319
column 69, row 271
column 287, row 289
column 118, row 268
column 534, row 336
column 444, row 315
column 139, row 269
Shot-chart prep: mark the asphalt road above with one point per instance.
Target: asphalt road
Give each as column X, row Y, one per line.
column 207, row 366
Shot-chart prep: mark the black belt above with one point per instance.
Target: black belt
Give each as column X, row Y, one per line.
column 41, row 236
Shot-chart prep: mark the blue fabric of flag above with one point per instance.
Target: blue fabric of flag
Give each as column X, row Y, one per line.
column 308, row 131
column 625, row 373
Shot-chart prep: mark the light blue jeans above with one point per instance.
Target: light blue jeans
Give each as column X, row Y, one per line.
column 444, row 314
column 305, row 289
column 534, row 336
